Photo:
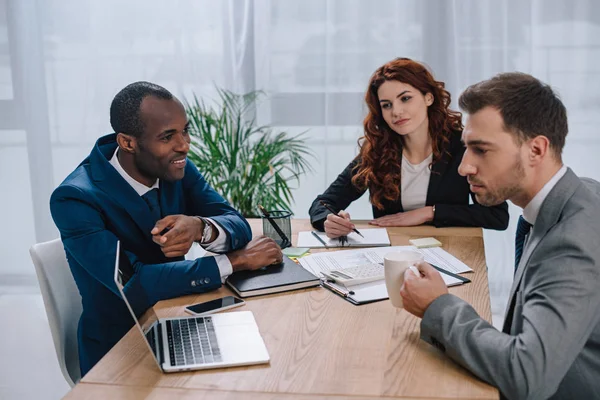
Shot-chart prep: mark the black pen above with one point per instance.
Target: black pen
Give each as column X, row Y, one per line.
column 334, row 212
column 285, row 241
column 443, row 271
column 319, row 238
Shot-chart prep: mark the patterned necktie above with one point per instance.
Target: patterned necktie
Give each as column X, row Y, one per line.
column 523, row 228
column 151, row 199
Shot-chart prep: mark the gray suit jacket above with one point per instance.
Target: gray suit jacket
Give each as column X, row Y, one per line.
column 550, row 344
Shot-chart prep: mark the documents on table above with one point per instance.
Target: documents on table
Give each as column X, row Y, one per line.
column 373, row 237
column 327, row 261
column 374, row 291
column 445, row 260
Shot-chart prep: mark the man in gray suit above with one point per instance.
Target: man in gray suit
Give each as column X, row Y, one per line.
column 549, row 346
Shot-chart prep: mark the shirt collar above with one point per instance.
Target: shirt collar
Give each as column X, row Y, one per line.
column 140, row 188
column 531, row 210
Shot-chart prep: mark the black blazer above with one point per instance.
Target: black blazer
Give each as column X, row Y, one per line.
column 447, row 190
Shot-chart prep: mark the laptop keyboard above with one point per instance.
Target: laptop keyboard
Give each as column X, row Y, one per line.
column 192, row 341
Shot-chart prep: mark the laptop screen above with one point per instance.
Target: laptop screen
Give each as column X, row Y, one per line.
column 148, row 323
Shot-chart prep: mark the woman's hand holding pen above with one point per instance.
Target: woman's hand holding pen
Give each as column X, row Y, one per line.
column 338, row 225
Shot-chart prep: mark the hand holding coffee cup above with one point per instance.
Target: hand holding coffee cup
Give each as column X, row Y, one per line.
column 395, row 265
column 419, row 292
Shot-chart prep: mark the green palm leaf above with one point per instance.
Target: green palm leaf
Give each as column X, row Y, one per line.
column 245, row 163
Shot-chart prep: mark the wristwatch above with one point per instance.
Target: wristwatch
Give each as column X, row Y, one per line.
column 433, row 209
column 207, row 232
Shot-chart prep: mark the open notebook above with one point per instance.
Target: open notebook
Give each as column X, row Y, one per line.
column 373, row 237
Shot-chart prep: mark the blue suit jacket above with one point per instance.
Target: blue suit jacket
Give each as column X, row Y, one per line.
column 93, row 208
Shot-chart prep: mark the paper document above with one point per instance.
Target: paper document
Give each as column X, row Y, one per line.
column 373, row 237
column 443, row 259
column 325, row 262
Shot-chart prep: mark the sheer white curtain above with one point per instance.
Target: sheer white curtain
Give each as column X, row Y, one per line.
column 315, row 59
column 62, row 61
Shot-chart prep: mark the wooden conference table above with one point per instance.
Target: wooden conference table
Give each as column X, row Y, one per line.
column 321, row 346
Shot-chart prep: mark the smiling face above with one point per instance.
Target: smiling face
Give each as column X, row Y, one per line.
column 404, row 108
column 493, row 161
column 162, row 149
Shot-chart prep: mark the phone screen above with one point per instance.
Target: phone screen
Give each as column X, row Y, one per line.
column 214, row 304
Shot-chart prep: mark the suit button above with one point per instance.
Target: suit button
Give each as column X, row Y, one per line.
column 207, row 280
column 193, row 283
column 236, row 242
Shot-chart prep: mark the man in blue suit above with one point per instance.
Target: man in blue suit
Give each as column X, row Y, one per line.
column 138, row 187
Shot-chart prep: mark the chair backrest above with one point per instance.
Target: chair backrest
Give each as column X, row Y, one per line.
column 63, row 304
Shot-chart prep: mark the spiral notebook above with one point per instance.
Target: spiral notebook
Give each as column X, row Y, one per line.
column 373, row 237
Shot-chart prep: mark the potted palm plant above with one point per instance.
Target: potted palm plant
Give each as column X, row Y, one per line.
column 245, row 163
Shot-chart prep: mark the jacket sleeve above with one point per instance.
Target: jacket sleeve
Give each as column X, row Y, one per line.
column 86, row 239
column 204, row 201
column 495, row 217
column 559, row 302
column 339, row 195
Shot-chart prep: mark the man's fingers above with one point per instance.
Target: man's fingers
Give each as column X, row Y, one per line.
column 172, row 254
column 426, row 268
column 162, row 224
column 171, row 236
column 175, row 251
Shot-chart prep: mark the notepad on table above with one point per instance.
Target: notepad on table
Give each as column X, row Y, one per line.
column 295, row 251
column 423, row 243
column 373, row 237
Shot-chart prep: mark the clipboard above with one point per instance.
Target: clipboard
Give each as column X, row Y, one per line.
column 372, row 292
column 351, row 295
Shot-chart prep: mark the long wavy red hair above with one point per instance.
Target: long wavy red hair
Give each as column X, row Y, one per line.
column 380, row 154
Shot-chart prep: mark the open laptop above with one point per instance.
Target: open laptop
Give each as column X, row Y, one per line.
column 190, row 343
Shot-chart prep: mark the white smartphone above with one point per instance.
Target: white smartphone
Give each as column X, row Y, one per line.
column 214, row 306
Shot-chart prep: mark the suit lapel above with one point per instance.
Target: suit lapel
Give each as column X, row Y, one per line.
column 547, row 217
column 438, row 170
column 111, row 183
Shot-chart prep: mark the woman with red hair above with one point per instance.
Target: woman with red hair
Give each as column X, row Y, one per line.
column 408, row 160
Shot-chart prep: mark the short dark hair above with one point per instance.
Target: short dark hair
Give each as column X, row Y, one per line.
column 125, row 107
column 528, row 107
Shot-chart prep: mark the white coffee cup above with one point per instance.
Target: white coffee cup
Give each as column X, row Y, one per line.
column 395, row 264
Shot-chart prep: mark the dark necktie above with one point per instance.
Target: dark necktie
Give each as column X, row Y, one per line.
column 151, row 199
column 523, row 228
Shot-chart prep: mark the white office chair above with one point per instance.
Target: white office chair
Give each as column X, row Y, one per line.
column 63, row 304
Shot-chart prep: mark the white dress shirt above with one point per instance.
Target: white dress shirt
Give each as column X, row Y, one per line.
column 532, row 209
column 414, row 183
column 220, row 242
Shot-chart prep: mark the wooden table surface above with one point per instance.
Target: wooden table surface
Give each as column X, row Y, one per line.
column 321, row 346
